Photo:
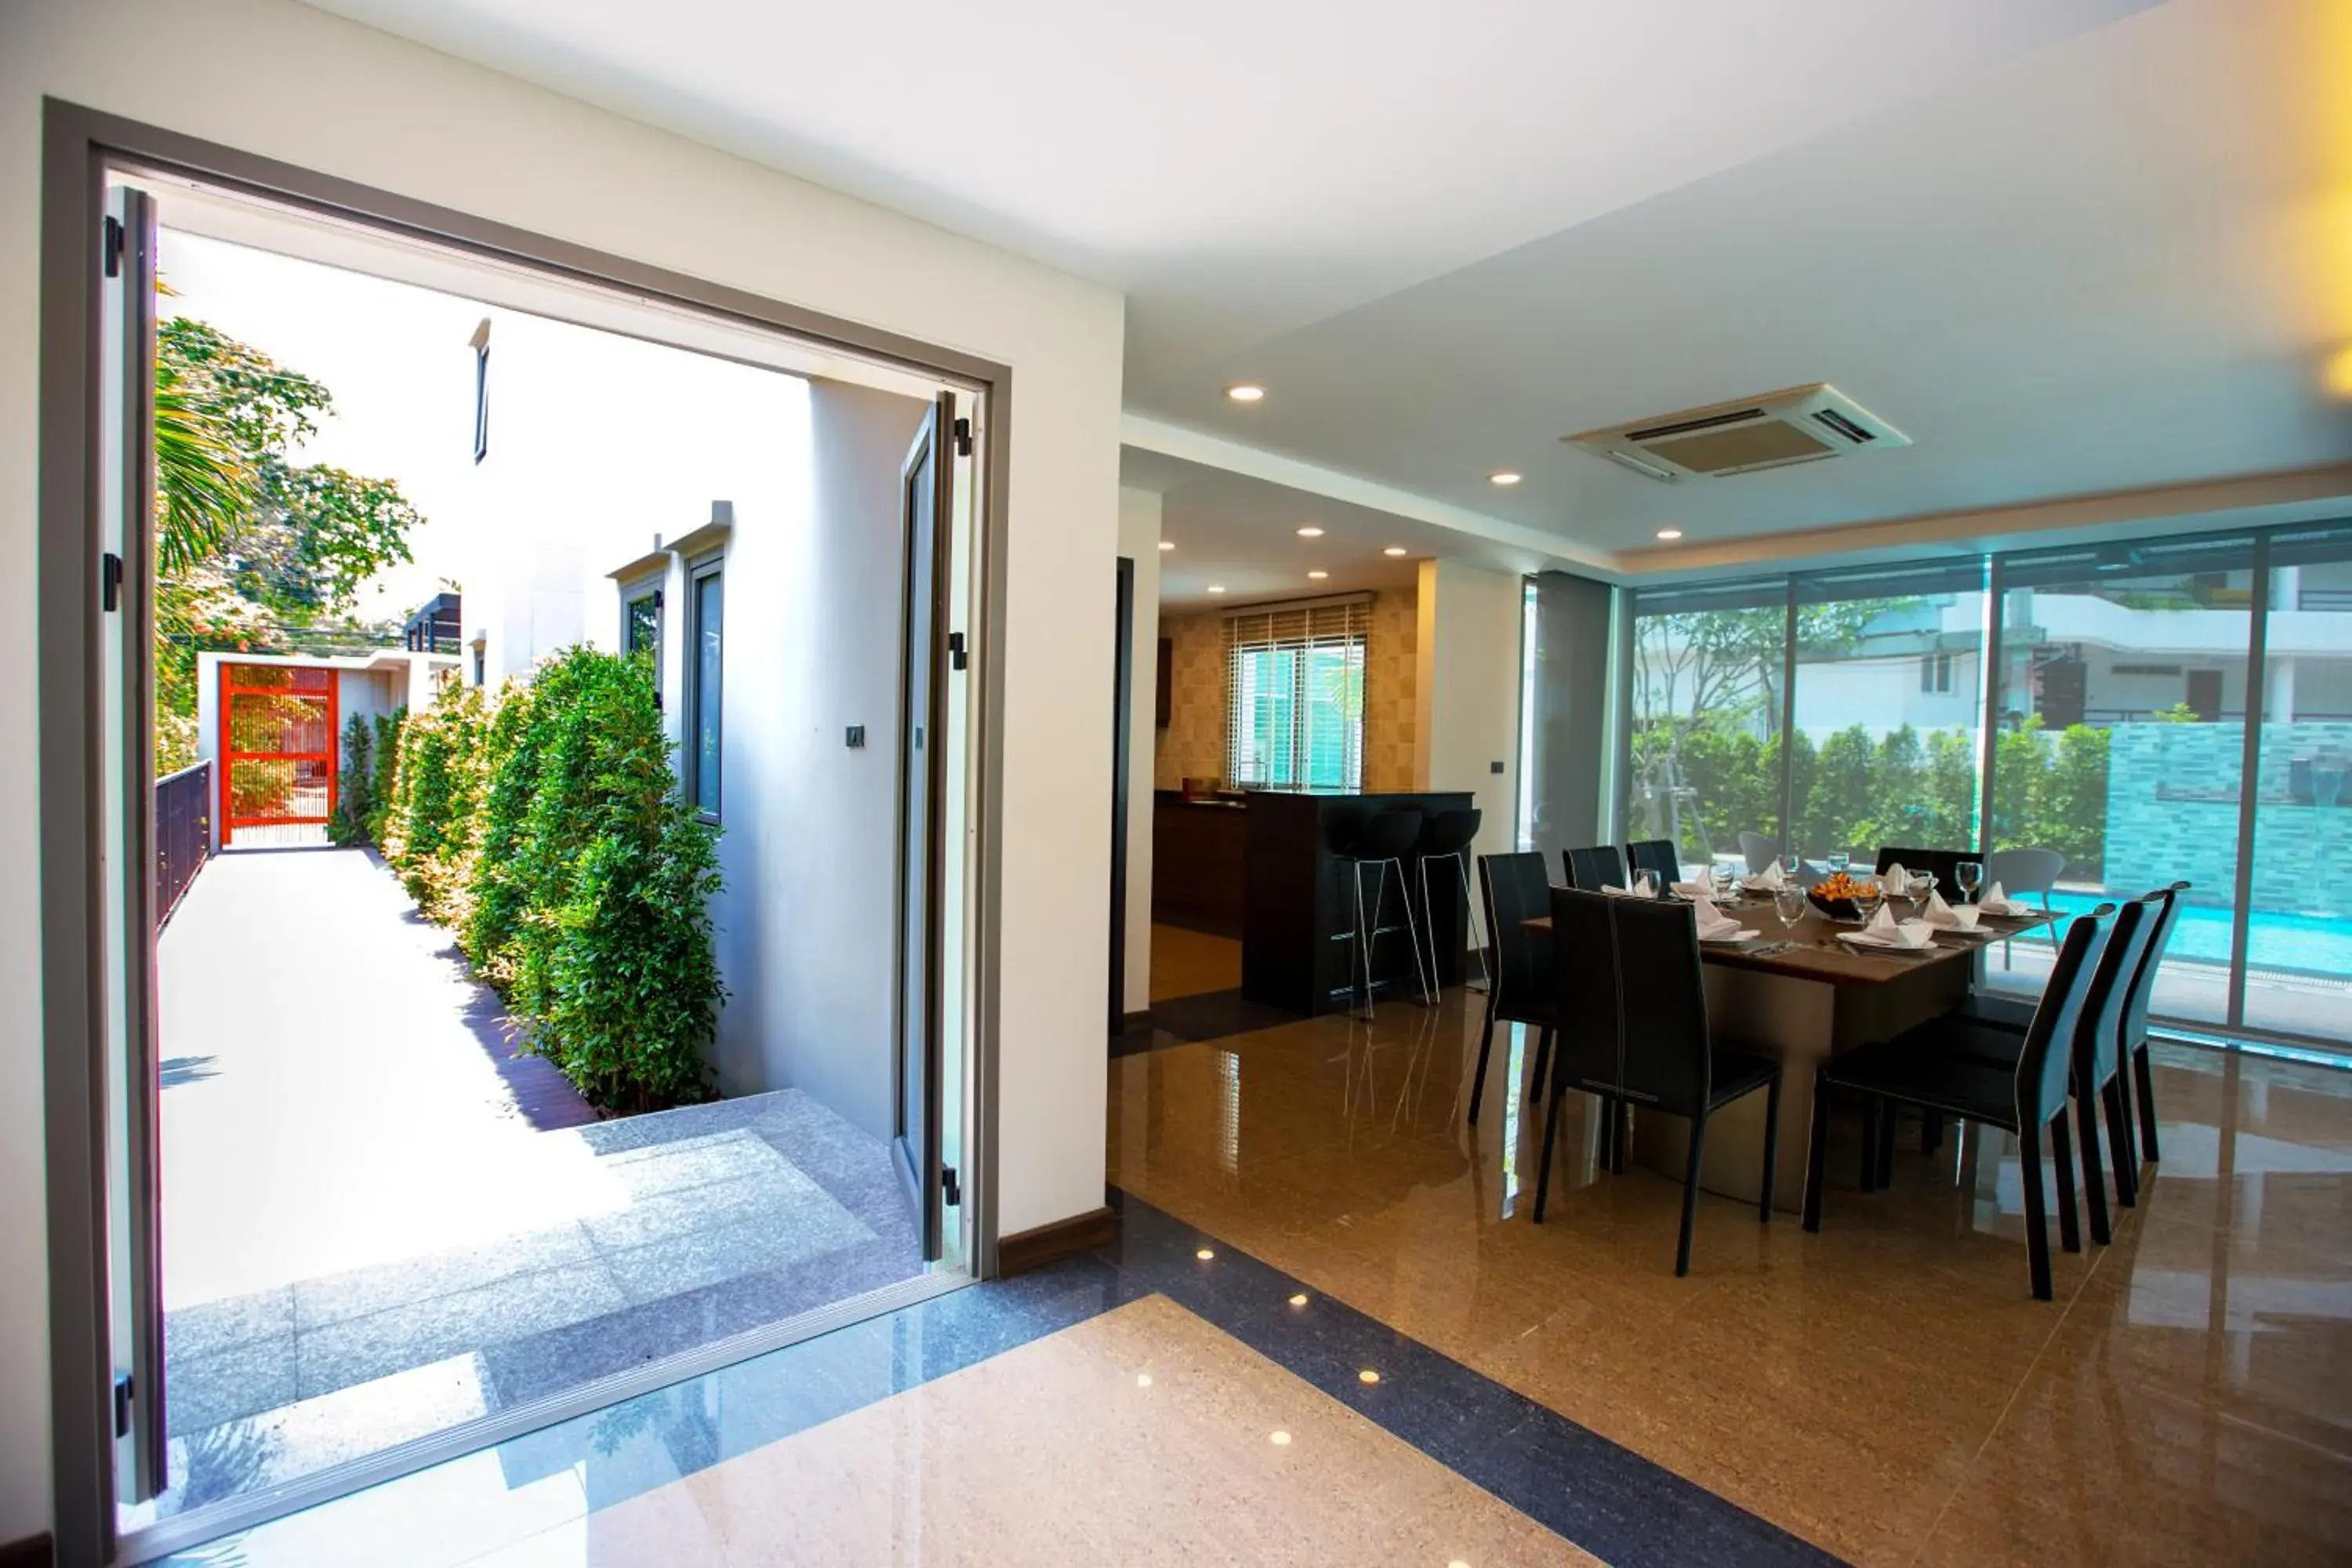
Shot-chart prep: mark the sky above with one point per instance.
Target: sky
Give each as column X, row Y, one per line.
column 598, row 442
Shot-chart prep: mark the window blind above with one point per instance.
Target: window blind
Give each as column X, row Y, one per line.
column 1294, row 693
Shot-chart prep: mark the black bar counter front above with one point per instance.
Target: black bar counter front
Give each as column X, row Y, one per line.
column 1299, row 911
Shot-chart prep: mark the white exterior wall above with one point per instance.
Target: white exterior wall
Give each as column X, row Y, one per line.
column 283, row 81
column 1138, row 541
column 1467, row 692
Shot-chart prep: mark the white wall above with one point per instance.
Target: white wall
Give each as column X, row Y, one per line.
column 282, row 79
column 1466, row 691
column 809, row 831
column 1138, row 541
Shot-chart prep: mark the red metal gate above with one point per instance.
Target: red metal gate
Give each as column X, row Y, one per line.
column 278, row 724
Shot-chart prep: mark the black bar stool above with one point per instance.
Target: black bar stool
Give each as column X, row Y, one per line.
column 1381, row 841
column 1448, row 837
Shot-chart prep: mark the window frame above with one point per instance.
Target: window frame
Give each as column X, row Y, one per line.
column 636, row 591
column 702, row 569
column 1352, row 640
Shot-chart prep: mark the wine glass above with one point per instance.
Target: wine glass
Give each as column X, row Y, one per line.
column 1792, row 867
column 1789, row 903
column 1970, row 875
column 1838, row 861
column 1867, row 892
column 1645, row 884
column 1723, row 882
column 1918, row 885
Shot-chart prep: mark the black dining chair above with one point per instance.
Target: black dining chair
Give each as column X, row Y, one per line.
column 1521, row 988
column 1943, row 864
column 2135, row 1030
column 1632, row 1027
column 1595, row 869
column 1932, row 1066
column 1655, row 856
column 2101, row 1069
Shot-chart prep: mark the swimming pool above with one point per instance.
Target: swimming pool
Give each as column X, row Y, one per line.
column 2277, row 938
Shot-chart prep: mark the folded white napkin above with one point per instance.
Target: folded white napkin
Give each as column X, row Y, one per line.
column 1996, row 902
column 1713, row 924
column 1937, row 912
column 1693, row 890
column 1884, row 927
column 1893, row 877
column 1616, row 892
column 1769, row 877
column 1964, row 916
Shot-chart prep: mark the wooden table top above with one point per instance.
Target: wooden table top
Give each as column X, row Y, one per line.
column 1812, row 951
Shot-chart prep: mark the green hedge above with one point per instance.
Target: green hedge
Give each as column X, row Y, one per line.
column 547, row 829
column 1854, row 792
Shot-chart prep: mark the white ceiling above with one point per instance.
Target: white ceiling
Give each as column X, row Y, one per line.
column 2067, row 246
column 1242, row 533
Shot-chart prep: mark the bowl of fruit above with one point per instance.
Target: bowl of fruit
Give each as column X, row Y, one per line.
column 1836, row 897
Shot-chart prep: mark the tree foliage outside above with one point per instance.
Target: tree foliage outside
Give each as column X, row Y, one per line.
column 254, row 552
column 547, row 829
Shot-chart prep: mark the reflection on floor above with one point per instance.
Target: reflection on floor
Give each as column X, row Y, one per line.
column 1186, row 962
column 1313, row 1245
column 1886, row 1389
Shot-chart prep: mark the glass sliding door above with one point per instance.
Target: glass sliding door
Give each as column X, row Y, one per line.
column 2120, row 754
column 1708, row 718
column 1887, row 704
column 2298, row 944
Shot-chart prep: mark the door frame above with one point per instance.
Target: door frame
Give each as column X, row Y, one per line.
column 79, row 146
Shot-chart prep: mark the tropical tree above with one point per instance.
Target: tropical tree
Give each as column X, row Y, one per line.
column 255, row 553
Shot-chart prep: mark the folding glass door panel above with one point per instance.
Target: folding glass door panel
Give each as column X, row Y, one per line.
column 2298, row 940
column 1709, row 672
column 1887, row 705
column 2120, row 756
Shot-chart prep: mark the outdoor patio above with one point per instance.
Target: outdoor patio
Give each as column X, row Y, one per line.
column 378, row 1222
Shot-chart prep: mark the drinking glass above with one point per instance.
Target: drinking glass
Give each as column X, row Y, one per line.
column 1645, row 884
column 1789, row 903
column 1838, row 861
column 1867, row 892
column 1792, row 867
column 1970, row 874
column 1919, row 886
column 1723, row 882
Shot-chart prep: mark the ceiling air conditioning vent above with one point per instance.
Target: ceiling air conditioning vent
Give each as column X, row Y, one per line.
column 1802, row 425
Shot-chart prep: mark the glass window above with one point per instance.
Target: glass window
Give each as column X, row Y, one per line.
column 1708, row 669
column 1294, row 695
column 706, row 709
column 2120, row 755
column 2299, row 908
column 1881, row 758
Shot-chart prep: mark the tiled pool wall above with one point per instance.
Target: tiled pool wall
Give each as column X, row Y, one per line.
column 2172, row 812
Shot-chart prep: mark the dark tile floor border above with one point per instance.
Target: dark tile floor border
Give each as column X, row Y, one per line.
column 1595, row 1493
column 1210, row 1016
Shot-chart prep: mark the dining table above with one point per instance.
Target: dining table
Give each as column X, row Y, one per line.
column 1801, row 995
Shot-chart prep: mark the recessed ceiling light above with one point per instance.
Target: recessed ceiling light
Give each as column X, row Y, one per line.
column 1246, row 391
column 1670, row 533
column 1205, row 1254
column 1299, row 1300
column 1166, row 544
column 1143, row 1379
column 1310, row 531
column 1216, row 587
column 1394, row 550
column 1318, row 574
column 1279, row 1439
column 1504, row 478
column 1368, row 1375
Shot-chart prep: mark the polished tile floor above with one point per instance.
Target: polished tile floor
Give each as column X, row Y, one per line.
column 1314, row 1244
column 1885, row 1390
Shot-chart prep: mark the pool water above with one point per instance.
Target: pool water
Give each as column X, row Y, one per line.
column 2278, row 939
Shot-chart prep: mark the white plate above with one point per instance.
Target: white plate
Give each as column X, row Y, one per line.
column 1863, row 939
column 1735, row 936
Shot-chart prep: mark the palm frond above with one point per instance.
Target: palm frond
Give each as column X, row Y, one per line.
column 202, row 484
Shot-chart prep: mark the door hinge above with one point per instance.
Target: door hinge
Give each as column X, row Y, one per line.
column 949, row 1188
column 957, row 657
column 123, row 1391
column 963, row 434
column 658, row 598
column 110, row 582
column 112, row 247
